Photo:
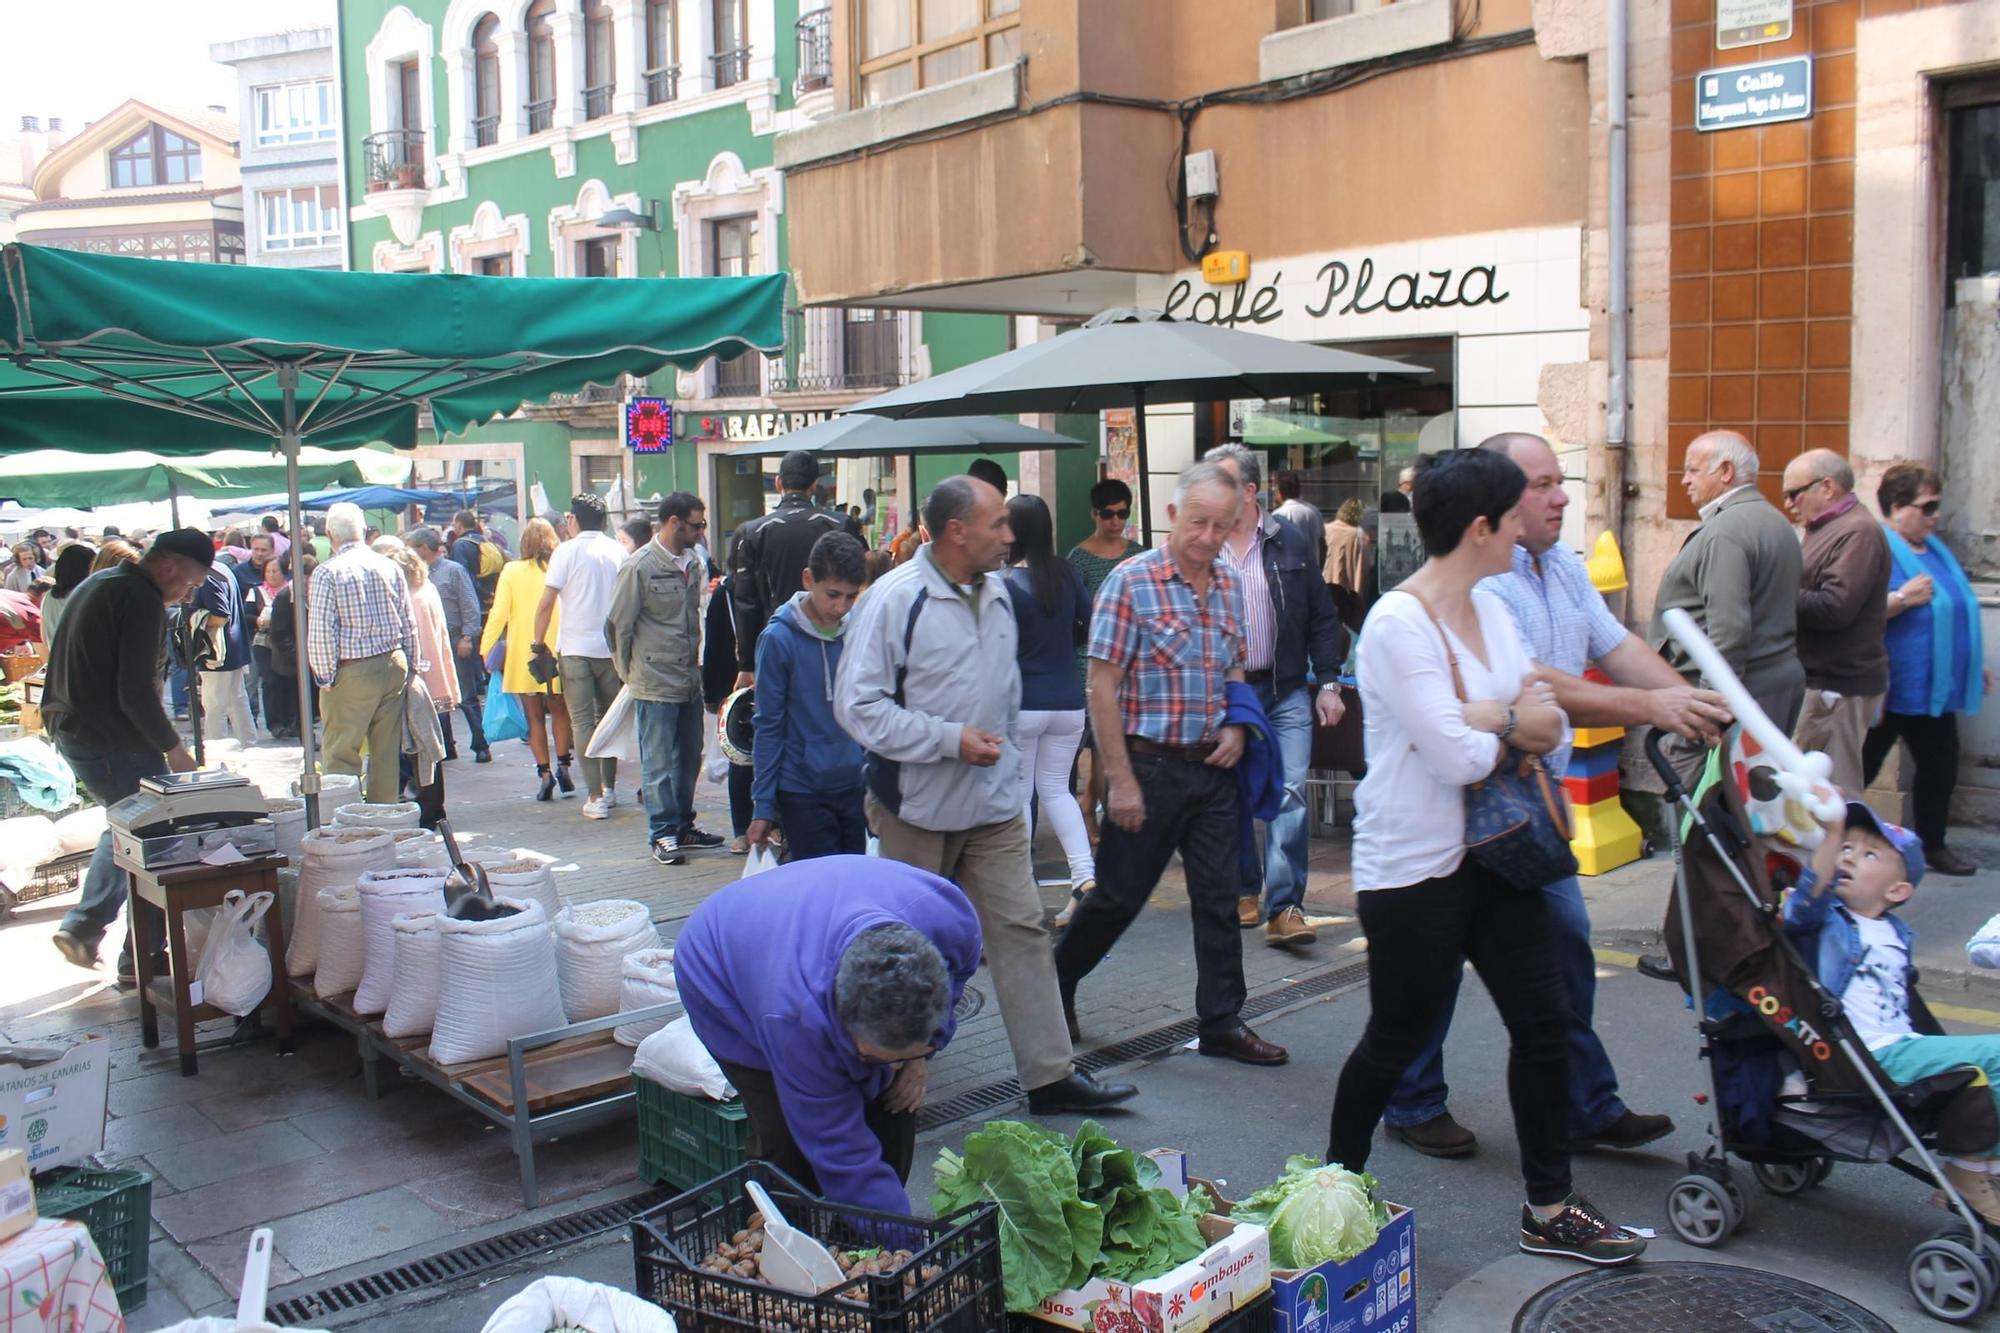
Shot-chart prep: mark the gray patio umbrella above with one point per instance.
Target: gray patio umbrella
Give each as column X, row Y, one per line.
column 1130, row 358
column 866, row 436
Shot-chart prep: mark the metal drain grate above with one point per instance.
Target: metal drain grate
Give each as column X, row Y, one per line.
column 1159, row 1041
column 970, row 1001
column 1674, row 1296
column 478, row 1257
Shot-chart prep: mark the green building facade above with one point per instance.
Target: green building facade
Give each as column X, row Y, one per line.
column 621, row 138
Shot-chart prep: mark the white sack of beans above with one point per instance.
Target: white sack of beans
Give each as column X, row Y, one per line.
column 496, row 979
column 360, row 814
column 385, row 895
column 340, row 956
column 288, row 821
column 418, row 848
column 413, row 992
column 648, row 981
column 334, row 858
column 335, row 790
column 592, row 940
column 524, row 874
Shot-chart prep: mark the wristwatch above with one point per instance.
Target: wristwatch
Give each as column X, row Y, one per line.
column 1508, row 729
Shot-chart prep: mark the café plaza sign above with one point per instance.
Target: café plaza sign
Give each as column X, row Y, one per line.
column 743, row 427
column 1340, row 289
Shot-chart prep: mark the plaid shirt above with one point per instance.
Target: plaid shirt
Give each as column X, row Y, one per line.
column 1173, row 650
column 359, row 607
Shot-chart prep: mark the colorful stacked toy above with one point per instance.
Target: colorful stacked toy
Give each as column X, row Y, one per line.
column 1606, row 837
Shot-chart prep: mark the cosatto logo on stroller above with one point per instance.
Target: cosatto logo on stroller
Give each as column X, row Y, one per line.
column 1775, row 1009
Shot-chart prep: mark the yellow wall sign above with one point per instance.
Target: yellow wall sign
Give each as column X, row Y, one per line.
column 1225, row 267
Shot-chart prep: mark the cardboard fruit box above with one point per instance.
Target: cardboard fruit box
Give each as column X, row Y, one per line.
column 1375, row 1291
column 52, row 1100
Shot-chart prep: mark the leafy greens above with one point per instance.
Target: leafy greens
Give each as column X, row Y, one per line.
column 1314, row 1213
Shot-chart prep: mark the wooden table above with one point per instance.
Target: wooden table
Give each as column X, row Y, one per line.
column 176, row 891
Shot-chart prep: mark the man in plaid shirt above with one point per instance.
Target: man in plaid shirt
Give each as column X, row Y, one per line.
column 1166, row 635
column 361, row 642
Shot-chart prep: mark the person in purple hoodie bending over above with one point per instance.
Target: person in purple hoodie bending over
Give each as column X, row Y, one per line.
column 823, row 988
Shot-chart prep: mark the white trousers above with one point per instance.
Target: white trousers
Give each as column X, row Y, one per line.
column 225, row 708
column 1048, row 749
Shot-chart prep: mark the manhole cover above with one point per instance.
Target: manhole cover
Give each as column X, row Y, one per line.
column 969, row 1003
column 1676, row 1297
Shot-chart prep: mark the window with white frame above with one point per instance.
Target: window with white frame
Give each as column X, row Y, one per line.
column 295, row 113
column 300, row 217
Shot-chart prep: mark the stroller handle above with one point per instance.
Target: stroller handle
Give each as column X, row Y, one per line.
column 1664, row 766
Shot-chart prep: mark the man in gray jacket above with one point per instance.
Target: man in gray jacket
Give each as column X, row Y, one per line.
column 654, row 630
column 1738, row 576
column 928, row 685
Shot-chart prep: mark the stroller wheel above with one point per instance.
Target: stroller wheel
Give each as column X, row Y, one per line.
column 1785, row 1179
column 1989, row 1253
column 1949, row 1281
column 1825, row 1170
column 1701, row 1211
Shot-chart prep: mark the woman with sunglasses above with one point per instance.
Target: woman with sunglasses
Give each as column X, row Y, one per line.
column 1935, row 657
column 1106, row 548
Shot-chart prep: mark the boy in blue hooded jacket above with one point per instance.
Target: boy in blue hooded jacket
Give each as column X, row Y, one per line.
column 809, row 772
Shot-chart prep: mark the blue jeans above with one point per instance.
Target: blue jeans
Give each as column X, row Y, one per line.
column 670, row 738
column 108, row 777
column 1281, row 879
column 822, row 823
column 1593, row 1084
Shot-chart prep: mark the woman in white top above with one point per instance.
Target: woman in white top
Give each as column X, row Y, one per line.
column 1424, row 903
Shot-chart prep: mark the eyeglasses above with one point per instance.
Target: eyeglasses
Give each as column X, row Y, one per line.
column 699, row 525
column 1120, row 514
column 1793, row 494
column 1930, row 508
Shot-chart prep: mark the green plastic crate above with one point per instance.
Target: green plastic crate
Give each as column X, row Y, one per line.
column 117, row 1207
column 684, row 1140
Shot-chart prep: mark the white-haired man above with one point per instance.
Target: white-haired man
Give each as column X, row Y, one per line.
column 361, row 641
column 1738, row 577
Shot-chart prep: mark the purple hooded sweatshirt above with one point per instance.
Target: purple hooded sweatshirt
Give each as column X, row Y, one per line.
column 755, row 966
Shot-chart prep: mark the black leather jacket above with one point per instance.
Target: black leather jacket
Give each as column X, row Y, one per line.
column 767, row 564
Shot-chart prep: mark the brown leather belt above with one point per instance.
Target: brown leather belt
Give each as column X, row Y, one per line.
column 1187, row 754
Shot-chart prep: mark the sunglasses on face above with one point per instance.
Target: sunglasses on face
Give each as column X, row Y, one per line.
column 1119, row 514
column 1796, row 491
column 1930, row 508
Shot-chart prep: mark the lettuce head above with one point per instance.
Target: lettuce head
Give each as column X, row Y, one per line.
column 1314, row 1213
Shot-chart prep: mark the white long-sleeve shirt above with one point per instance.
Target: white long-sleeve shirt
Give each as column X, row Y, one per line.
column 1983, row 949
column 1409, row 820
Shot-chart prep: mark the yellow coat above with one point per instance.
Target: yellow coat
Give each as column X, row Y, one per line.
column 515, row 599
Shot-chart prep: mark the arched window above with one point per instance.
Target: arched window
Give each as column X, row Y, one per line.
column 600, row 68
column 486, row 81
column 663, row 61
column 155, row 156
column 541, row 65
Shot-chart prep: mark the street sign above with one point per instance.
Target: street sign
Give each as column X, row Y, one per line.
column 1760, row 94
column 1751, row 22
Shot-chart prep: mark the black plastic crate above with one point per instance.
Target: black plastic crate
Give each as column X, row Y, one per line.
column 669, row 1243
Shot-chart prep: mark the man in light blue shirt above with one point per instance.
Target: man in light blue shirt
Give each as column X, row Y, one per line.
column 1566, row 626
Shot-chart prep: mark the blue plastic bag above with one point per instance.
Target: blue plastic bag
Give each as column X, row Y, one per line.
column 503, row 716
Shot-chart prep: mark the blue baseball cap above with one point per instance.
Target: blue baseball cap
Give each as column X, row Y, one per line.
column 1906, row 843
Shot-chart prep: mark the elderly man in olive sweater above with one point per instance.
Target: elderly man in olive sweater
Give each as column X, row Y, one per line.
column 1842, row 612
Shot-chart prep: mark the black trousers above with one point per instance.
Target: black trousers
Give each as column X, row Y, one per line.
column 1933, row 743
column 741, row 779
column 1190, row 809
column 1416, row 937
column 771, row 1138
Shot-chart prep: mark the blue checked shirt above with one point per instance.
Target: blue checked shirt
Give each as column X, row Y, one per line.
column 359, row 607
column 1561, row 616
column 1174, row 651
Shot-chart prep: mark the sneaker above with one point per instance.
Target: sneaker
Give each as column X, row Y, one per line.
column 1440, row 1136
column 1579, row 1231
column 1975, row 1187
column 667, row 851
column 610, row 798
column 698, row 837
column 75, row 950
column 1629, row 1130
column 1075, row 901
column 1249, row 912
column 595, row 809
column 1289, row 927
column 739, row 846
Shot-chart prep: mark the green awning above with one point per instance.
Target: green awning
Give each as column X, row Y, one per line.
column 42, row 478
column 110, row 353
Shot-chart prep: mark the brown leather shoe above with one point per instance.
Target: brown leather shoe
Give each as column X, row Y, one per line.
column 1246, row 1046
column 1249, row 913
column 1440, row 1136
column 1289, row 927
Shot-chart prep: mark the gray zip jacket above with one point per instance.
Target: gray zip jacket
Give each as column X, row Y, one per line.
column 959, row 671
column 654, row 626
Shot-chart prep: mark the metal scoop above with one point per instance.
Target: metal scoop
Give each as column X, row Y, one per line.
column 790, row 1258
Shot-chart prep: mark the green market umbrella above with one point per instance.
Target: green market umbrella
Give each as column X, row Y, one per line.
column 861, row 435
column 49, row 478
column 97, row 351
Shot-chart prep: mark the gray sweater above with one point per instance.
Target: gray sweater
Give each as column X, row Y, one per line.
column 1738, row 576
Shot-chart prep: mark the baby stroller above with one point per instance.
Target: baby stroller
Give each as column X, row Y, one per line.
column 1760, row 1003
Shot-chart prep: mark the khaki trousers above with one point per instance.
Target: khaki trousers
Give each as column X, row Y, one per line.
column 1838, row 724
column 589, row 685
column 991, row 864
column 363, row 709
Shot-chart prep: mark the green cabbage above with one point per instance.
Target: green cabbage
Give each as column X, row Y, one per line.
column 1314, row 1213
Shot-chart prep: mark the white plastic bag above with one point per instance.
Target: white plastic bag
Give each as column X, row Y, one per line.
column 340, row 956
column 413, row 990
column 26, row 842
column 385, row 895
column 78, row 831
column 288, row 820
column 333, row 857
column 617, row 734
column 524, row 874
column 496, row 979
column 400, row 814
column 592, row 940
column 648, row 981
column 335, row 790
column 674, row 1058
column 417, row 847
column 235, row 972
column 567, row 1302
column 761, row 858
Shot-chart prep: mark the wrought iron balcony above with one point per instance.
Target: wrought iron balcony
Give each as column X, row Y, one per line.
column 541, row 115
column 839, row 351
column 815, row 52
column 731, row 67
column 740, row 376
column 597, row 101
column 395, row 159
column 663, row 84
column 486, row 131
